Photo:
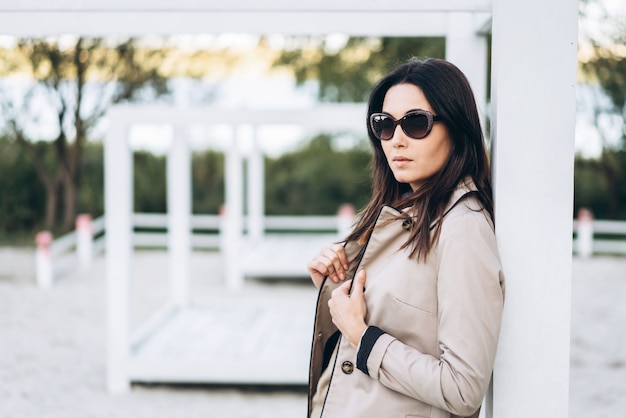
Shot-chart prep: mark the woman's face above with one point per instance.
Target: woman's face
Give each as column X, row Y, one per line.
column 413, row 161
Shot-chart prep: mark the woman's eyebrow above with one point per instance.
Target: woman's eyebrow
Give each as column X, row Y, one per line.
column 407, row 112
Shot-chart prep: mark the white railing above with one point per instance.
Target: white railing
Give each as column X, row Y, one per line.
column 587, row 243
column 55, row 257
column 77, row 248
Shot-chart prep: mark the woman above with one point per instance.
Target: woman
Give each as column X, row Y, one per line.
column 413, row 333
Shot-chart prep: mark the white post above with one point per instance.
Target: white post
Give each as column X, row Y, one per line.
column 256, row 190
column 467, row 49
column 533, row 102
column 223, row 233
column 118, row 181
column 345, row 220
column 84, row 239
column 43, row 260
column 584, row 233
column 179, row 216
column 233, row 213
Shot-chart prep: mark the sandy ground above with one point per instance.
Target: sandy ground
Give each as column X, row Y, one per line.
column 52, row 361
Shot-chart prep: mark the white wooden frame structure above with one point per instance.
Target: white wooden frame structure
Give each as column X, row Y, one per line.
column 532, row 114
column 330, row 118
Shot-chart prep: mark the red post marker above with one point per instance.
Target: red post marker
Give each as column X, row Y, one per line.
column 43, row 259
column 84, row 239
column 345, row 219
column 584, row 233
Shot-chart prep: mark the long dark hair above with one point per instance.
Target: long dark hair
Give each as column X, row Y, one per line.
column 447, row 90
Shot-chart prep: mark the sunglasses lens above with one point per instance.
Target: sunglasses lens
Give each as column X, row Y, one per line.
column 416, row 125
column 383, row 126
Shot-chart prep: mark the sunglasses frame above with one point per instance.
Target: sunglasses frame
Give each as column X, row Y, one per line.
column 431, row 119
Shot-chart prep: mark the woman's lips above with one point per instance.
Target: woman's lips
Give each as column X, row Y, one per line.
column 401, row 161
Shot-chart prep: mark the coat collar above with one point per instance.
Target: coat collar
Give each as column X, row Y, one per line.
column 389, row 213
column 464, row 187
column 393, row 224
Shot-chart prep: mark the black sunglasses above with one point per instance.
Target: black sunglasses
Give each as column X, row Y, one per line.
column 416, row 124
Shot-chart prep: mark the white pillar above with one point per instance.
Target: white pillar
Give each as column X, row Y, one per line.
column 118, row 181
column 179, row 216
column 256, row 190
column 466, row 48
column 234, row 213
column 533, row 102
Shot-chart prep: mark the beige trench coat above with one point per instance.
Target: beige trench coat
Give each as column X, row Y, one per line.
column 440, row 321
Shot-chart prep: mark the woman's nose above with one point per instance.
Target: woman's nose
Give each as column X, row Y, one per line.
column 399, row 138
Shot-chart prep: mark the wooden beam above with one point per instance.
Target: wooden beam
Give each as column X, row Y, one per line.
column 179, row 216
column 165, row 17
column 323, row 116
column 245, row 5
column 118, row 192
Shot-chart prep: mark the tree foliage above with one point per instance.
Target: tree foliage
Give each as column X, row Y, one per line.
column 313, row 180
column 72, row 85
column 150, row 182
column 593, row 188
column 347, row 74
column 23, row 196
column 605, row 67
column 317, row 179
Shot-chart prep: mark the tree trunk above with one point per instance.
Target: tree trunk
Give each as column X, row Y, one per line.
column 613, row 174
column 51, row 204
column 613, row 183
column 69, row 202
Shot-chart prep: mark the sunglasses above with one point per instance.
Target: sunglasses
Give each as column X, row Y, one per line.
column 416, row 124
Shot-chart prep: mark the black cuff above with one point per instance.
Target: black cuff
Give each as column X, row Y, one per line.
column 368, row 340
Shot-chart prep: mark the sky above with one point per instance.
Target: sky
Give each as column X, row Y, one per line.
column 588, row 141
column 257, row 89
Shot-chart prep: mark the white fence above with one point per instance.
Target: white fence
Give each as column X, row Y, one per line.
column 54, row 258
column 77, row 248
column 587, row 242
column 207, row 228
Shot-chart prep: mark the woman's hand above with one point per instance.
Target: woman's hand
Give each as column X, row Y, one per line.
column 348, row 309
column 330, row 261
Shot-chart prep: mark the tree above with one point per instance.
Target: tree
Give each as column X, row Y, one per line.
column 604, row 65
column 22, row 195
column 74, row 81
column 296, row 180
column 347, row 74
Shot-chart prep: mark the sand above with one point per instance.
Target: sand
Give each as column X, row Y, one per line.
column 52, row 349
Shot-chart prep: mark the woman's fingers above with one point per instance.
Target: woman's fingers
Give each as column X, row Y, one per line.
column 330, row 261
column 343, row 258
column 336, row 262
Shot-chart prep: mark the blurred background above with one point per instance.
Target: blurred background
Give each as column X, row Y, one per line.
column 54, row 97
column 54, row 94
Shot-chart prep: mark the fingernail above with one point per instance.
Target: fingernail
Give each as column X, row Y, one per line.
column 342, row 276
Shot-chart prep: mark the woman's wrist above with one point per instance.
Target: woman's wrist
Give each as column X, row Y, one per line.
column 355, row 335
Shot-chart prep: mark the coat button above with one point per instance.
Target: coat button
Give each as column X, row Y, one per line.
column 347, row 367
column 407, row 224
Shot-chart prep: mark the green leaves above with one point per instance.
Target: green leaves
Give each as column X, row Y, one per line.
column 348, row 74
column 317, row 179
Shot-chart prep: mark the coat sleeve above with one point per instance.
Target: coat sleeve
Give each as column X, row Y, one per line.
column 470, row 287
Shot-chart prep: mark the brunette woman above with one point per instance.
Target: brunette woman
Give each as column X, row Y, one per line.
column 410, row 305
